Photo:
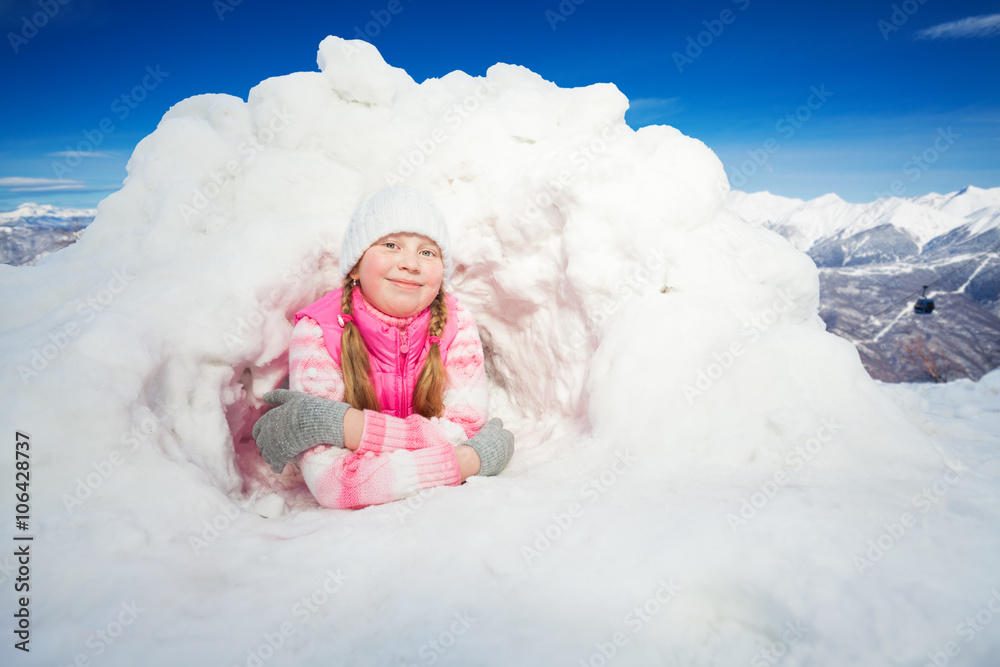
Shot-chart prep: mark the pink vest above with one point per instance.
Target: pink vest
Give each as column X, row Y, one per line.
column 396, row 355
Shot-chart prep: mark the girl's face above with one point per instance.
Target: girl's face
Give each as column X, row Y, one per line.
column 400, row 274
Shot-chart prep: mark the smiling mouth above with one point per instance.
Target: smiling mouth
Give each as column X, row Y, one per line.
column 405, row 284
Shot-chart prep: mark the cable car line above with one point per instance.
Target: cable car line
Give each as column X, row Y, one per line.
column 868, row 322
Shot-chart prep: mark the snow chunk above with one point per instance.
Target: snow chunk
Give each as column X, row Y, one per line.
column 356, row 70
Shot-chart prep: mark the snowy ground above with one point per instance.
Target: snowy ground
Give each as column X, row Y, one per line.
column 703, row 475
column 549, row 565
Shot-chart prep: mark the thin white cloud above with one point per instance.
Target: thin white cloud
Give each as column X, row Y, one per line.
column 663, row 105
column 974, row 26
column 650, row 110
column 13, row 13
column 79, row 154
column 26, row 184
column 48, row 188
column 18, row 181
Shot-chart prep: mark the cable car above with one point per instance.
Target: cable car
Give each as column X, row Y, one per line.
column 924, row 305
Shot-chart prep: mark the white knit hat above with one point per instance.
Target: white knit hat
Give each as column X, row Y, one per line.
column 391, row 211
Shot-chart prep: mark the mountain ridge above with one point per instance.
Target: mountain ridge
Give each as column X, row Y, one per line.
column 925, row 217
column 874, row 260
column 32, row 231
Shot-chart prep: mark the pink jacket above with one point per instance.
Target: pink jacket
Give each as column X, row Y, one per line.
column 400, row 453
column 396, row 355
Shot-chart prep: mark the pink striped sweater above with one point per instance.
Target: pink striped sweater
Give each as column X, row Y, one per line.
column 397, row 457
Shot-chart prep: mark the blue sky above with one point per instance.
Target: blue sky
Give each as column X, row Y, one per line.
column 797, row 98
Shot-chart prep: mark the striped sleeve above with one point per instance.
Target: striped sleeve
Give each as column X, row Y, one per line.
column 466, row 399
column 311, row 369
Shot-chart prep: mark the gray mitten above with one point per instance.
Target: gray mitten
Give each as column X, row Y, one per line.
column 495, row 446
column 299, row 422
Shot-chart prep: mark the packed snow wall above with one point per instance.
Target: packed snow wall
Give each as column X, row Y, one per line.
column 613, row 291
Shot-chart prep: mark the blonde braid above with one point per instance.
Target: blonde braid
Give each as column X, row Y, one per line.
column 354, row 365
column 428, row 395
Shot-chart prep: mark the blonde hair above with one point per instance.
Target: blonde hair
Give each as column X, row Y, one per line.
column 359, row 391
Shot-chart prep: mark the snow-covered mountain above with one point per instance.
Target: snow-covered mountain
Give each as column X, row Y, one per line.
column 47, row 215
column 33, row 231
column 828, row 218
column 875, row 258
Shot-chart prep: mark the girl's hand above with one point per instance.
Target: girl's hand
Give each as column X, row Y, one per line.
column 299, row 422
column 495, row 446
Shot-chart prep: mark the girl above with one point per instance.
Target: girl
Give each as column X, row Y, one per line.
column 387, row 382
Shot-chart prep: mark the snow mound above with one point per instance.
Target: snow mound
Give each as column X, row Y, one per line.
column 660, row 361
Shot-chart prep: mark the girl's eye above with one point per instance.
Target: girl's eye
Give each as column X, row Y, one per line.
column 390, row 245
column 427, row 253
